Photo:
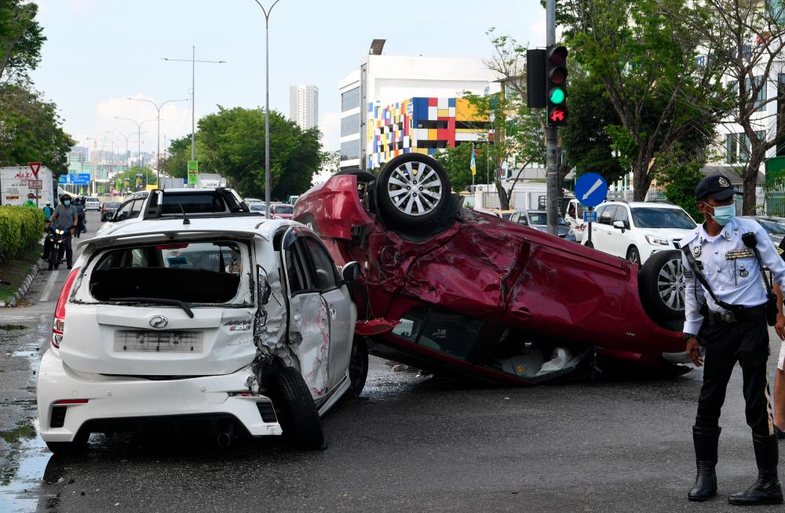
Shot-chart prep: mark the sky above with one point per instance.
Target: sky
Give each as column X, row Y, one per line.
column 99, row 53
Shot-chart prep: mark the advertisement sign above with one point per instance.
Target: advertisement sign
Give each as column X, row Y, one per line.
column 193, row 172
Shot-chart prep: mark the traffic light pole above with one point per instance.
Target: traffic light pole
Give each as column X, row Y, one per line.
column 551, row 135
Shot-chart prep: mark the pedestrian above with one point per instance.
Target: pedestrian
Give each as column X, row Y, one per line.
column 48, row 211
column 726, row 322
column 30, row 201
column 64, row 218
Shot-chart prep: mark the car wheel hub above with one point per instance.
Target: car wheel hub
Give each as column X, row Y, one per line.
column 670, row 283
column 415, row 191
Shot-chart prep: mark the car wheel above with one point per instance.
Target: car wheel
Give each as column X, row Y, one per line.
column 661, row 285
column 412, row 191
column 358, row 367
column 295, row 409
column 633, row 255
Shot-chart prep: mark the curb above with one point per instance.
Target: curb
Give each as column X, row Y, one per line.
column 22, row 288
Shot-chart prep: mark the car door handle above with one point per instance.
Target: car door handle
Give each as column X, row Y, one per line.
column 297, row 318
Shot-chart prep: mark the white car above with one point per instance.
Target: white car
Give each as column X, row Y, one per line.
column 92, row 204
column 241, row 322
column 638, row 230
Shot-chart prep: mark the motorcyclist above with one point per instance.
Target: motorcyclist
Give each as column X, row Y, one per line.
column 65, row 217
column 80, row 214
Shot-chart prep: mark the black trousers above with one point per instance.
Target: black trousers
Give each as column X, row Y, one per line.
column 746, row 342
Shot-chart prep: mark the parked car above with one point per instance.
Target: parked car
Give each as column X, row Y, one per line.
column 257, row 207
column 539, row 219
column 281, row 211
column 243, row 326
column 455, row 290
column 638, row 230
column 178, row 203
column 108, row 208
column 774, row 226
column 573, row 215
column 92, row 204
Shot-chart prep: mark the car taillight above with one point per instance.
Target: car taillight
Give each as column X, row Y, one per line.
column 59, row 322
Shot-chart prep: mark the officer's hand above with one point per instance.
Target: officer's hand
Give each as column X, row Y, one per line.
column 694, row 351
column 779, row 327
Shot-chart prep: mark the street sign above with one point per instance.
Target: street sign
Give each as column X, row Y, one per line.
column 74, row 179
column 35, row 184
column 193, row 172
column 591, row 189
column 35, row 167
column 590, row 216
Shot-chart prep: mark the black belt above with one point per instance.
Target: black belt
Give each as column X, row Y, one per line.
column 737, row 315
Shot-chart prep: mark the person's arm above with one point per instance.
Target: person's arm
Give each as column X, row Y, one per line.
column 779, row 326
column 693, row 294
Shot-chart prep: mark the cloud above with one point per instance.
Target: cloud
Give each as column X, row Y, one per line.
column 330, row 125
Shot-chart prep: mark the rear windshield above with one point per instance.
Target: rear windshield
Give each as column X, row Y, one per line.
column 647, row 217
column 284, row 209
column 194, row 272
column 538, row 218
column 192, row 203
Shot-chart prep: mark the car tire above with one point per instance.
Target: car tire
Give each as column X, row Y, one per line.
column 358, row 367
column 410, row 198
column 633, row 255
column 661, row 286
column 295, row 409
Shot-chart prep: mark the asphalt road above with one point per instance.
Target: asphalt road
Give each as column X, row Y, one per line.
column 410, row 443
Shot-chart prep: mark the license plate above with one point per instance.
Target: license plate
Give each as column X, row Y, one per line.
column 158, row 341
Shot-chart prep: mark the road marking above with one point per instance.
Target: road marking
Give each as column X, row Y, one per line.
column 50, row 283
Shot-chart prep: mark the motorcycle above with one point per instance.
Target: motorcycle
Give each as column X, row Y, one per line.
column 57, row 239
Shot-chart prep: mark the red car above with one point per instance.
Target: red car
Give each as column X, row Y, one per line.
column 451, row 289
column 281, row 211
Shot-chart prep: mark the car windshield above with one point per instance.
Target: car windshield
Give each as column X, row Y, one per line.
column 653, row 217
column 284, row 209
column 112, row 204
column 772, row 226
column 257, row 207
column 538, row 218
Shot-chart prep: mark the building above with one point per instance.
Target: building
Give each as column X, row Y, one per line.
column 387, row 86
column 304, row 105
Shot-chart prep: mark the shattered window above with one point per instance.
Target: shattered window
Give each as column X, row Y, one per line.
column 447, row 332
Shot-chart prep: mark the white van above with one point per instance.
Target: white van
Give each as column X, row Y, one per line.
column 574, row 217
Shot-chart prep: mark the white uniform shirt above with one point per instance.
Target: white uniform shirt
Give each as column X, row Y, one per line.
column 730, row 268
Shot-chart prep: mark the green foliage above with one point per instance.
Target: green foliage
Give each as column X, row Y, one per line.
column 128, row 180
column 680, row 174
column 457, row 163
column 231, row 142
column 21, row 38
column 30, row 130
column 20, row 229
column 179, row 153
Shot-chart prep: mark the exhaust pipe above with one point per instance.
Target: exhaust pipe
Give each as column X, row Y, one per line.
column 223, row 439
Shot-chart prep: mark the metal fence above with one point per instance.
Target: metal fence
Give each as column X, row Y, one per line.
column 775, row 203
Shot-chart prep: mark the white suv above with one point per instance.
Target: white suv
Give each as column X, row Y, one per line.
column 240, row 324
column 637, row 230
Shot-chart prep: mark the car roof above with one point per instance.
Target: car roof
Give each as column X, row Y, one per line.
column 642, row 204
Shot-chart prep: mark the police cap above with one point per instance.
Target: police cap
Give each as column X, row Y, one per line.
column 717, row 187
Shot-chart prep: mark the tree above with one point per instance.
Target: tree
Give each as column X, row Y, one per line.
column 457, row 164
column 30, row 130
column 680, row 175
column 643, row 52
column 135, row 179
column 745, row 40
column 179, row 153
column 21, row 38
column 232, row 144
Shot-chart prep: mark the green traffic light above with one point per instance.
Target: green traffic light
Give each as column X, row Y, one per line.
column 556, row 96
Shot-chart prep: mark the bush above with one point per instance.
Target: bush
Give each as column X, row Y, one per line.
column 20, row 229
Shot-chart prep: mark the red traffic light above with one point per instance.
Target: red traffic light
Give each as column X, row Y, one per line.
column 557, row 55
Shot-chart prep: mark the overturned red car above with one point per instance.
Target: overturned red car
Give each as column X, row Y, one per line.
column 447, row 288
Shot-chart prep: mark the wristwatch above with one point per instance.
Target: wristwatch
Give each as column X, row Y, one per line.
column 687, row 336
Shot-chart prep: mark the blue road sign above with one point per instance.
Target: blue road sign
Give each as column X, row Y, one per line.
column 591, row 189
column 62, row 179
column 590, row 217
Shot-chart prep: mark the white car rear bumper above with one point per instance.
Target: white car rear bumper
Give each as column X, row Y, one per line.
column 111, row 397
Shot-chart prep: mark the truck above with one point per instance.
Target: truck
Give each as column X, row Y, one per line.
column 17, row 182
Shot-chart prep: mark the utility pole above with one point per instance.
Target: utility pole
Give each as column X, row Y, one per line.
column 193, row 62
column 551, row 135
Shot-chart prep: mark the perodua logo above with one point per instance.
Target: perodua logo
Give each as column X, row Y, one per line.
column 159, row 321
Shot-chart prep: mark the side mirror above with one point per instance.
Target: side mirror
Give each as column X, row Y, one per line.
column 350, row 271
column 619, row 225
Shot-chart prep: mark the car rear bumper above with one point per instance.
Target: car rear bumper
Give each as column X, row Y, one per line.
column 114, row 397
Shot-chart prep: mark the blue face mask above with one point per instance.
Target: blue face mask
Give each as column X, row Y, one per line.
column 723, row 215
column 67, row 203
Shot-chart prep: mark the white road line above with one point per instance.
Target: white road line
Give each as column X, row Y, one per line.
column 50, row 283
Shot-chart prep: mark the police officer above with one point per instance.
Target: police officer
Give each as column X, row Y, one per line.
column 733, row 332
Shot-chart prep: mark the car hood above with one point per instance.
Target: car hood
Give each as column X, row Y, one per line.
column 667, row 233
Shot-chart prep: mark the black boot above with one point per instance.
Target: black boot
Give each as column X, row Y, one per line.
column 705, row 440
column 766, row 489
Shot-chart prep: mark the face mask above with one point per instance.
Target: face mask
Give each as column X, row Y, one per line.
column 67, row 203
column 723, row 215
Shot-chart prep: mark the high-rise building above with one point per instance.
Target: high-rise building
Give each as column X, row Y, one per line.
column 304, row 105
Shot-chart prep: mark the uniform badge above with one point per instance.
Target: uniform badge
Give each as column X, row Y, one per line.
column 696, row 251
column 780, row 250
column 743, row 272
column 739, row 253
column 723, row 182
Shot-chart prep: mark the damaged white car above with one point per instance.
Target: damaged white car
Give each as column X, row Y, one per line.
column 240, row 325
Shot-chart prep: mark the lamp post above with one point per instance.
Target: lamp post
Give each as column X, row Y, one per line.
column 193, row 62
column 139, row 128
column 158, row 138
column 267, row 102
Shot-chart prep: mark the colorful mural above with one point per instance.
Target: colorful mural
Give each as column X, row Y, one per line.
column 421, row 125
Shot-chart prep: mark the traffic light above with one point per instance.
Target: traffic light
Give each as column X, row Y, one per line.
column 556, row 85
column 535, row 70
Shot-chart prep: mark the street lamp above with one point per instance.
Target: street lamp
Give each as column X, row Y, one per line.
column 193, row 62
column 139, row 128
column 158, row 139
column 267, row 102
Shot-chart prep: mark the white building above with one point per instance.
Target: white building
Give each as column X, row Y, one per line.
column 304, row 105
column 385, row 79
